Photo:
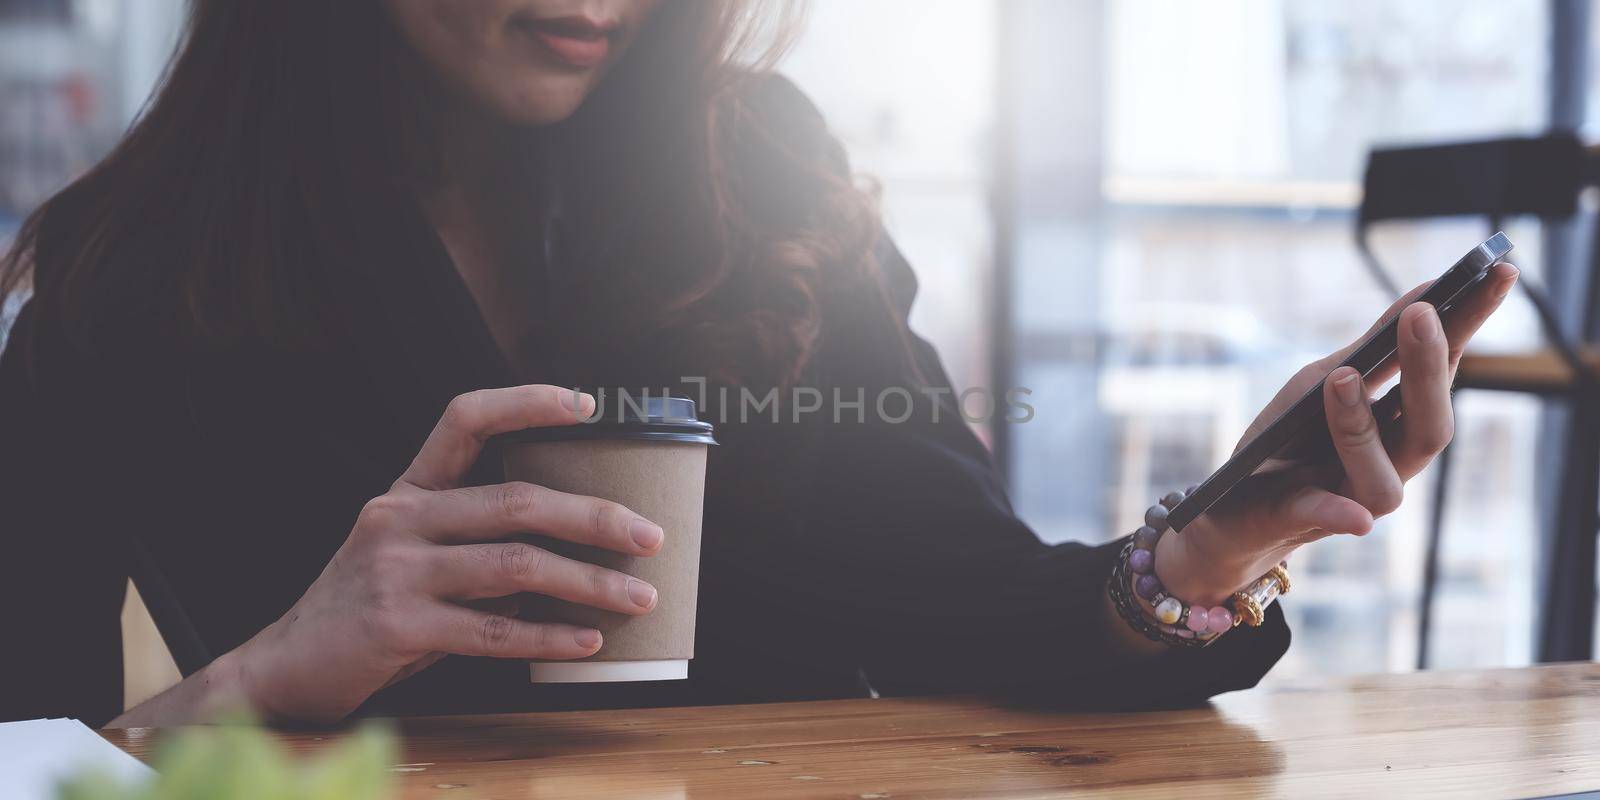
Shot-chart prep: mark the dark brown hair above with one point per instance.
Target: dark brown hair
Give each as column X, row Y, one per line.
column 278, row 149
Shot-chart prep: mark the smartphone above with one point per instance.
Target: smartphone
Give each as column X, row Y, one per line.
column 1305, row 418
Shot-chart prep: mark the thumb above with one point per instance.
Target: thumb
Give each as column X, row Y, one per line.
column 1312, row 509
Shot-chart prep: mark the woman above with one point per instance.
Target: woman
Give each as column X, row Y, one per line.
column 338, row 226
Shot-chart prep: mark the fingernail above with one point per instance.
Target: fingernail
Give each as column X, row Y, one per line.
column 587, row 638
column 1348, row 388
column 575, row 400
column 642, row 594
column 1508, row 283
column 645, row 534
column 1426, row 326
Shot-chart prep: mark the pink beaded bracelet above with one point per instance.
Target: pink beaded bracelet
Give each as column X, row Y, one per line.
column 1170, row 619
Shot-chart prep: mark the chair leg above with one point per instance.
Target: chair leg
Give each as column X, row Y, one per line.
column 1430, row 558
column 1567, row 628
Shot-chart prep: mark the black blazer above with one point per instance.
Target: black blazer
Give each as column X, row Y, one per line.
column 883, row 556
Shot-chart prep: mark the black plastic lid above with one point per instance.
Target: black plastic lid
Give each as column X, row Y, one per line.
column 648, row 417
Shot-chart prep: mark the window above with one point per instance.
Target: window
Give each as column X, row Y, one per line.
column 1233, row 139
column 907, row 85
column 73, row 73
column 1185, row 179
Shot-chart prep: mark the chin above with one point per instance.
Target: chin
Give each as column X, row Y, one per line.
column 541, row 101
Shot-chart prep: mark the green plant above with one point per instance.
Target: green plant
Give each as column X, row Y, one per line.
column 241, row 761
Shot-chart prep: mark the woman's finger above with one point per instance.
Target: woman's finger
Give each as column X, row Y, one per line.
column 1338, row 356
column 1470, row 313
column 1307, row 377
column 1480, row 302
column 450, row 628
column 1371, row 475
column 475, row 571
column 1426, row 421
column 469, row 632
column 479, row 513
column 470, row 419
column 504, row 606
column 1310, row 513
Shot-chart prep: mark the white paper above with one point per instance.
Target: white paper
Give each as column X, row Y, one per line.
column 38, row 754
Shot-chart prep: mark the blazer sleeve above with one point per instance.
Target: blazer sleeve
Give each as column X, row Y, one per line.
column 64, row 577
column 935, row 582
column 945, row 589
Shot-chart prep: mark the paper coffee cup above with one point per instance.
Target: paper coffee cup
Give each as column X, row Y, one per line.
column 649, row 454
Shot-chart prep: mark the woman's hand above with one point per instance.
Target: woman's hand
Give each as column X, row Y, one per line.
column 1286, row 504
column 428, row 571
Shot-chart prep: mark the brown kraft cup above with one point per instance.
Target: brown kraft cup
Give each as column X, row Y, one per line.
column 649, row 454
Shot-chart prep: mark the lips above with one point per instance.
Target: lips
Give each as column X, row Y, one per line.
column 579, row 41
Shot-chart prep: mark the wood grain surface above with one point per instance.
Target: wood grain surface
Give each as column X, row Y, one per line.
column 1497, row 733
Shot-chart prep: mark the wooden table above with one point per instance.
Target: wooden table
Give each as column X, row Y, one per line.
column 1495, row 733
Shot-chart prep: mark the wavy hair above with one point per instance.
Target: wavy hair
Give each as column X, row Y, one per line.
column 281, row 143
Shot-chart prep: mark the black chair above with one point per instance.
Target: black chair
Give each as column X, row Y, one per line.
column 1496, row 179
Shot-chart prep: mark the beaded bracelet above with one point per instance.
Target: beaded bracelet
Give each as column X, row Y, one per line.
column 1131, row 613
column 1169, row 619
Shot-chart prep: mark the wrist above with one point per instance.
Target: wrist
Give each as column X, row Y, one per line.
column 217, row 689
column 1197, row 574
column 245, row 675
column 225, row 684
column 1165, row 587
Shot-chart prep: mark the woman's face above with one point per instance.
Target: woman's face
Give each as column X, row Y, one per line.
column 531, row 62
